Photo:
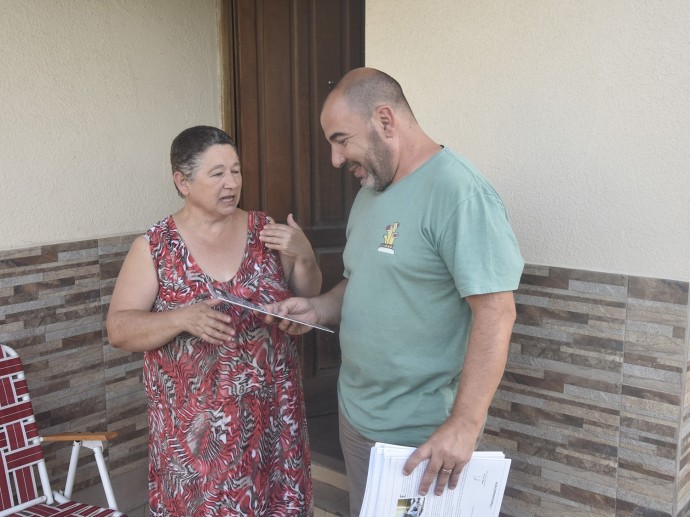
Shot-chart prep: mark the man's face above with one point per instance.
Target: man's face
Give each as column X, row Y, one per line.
column 356, row 146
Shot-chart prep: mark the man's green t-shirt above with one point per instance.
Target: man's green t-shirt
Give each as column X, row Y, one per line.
column 413, row 253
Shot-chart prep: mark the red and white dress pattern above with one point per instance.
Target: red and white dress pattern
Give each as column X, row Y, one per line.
column 227, row 427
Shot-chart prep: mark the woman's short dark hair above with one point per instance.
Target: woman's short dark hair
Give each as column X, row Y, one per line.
column 188, row 147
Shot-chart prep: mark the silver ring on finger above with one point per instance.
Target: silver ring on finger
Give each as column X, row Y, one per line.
column 446, row 471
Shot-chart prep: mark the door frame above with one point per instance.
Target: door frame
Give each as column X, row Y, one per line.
column 228, row 93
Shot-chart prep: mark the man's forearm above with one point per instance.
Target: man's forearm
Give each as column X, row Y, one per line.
column 487, row 353
column 330, row 304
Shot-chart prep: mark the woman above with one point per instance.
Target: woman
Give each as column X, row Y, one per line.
column 226, row 410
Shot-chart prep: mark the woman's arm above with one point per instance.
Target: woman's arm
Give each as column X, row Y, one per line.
column 132, row 326
column 305, row 279
column 296, row 256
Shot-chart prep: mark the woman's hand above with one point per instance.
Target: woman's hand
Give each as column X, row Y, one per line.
column 287, row 239
column 301, row 270
column 132, row 326
column 202, row 320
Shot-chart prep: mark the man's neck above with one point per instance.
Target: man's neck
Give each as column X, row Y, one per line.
column 415, row 154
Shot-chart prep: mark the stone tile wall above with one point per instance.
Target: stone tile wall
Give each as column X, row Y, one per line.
column 53, row 302
column 594, row 408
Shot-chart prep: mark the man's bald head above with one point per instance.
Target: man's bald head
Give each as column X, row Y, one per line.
column 365, row 89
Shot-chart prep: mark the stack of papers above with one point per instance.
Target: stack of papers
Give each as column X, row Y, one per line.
column 389, row 493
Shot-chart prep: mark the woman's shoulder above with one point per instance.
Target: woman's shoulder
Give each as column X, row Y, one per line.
column 160, row 230
column 257, row 219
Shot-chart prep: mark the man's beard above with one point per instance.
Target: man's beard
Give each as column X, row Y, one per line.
column 379, row 164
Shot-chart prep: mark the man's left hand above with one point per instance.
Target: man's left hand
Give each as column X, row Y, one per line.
column 448, row 450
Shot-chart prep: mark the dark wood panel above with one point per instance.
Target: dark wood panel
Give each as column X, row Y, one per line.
column 286, row 56
column 331, row 263
column 330, row 206
column 244, row 36
column 275, row 112
column 321, row 395
column 301, row 94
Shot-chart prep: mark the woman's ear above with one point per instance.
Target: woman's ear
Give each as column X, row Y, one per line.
column 181, row 182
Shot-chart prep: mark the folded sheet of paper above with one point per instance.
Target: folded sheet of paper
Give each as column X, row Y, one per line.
column 235, row 300
column 389, row 493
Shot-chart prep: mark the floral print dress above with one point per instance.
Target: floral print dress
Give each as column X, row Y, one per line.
column 227, row 427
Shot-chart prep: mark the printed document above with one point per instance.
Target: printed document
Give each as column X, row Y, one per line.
column 389, row 493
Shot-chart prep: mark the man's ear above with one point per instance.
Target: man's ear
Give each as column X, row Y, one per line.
column 181, row 182
column 385, row 118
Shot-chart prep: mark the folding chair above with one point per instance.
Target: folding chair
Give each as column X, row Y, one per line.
column 22, row 456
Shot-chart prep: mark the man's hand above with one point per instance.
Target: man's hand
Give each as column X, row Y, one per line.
column 299, row 308
column 448, row 450
column 451, row 446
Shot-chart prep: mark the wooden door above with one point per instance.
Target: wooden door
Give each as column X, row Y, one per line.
column 280, row 59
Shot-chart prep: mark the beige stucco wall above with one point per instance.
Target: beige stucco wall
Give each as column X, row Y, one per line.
column 91, row 95
column 578, row 111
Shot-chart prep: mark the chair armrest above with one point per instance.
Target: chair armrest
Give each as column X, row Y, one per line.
column 80, row 437
column 93, row 441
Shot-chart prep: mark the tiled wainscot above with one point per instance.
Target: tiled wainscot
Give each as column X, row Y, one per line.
column 594, row 407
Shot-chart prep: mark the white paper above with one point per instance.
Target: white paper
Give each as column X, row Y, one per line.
column 235, row 300
column 389, row 493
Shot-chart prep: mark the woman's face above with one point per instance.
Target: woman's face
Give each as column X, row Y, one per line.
column 218, row 181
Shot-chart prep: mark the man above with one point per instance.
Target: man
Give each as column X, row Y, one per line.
column 426, row 308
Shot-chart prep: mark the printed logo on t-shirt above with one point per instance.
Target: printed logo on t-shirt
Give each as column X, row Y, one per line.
column 389, row 239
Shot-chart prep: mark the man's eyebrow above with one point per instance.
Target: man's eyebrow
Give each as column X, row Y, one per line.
column 336, row 136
